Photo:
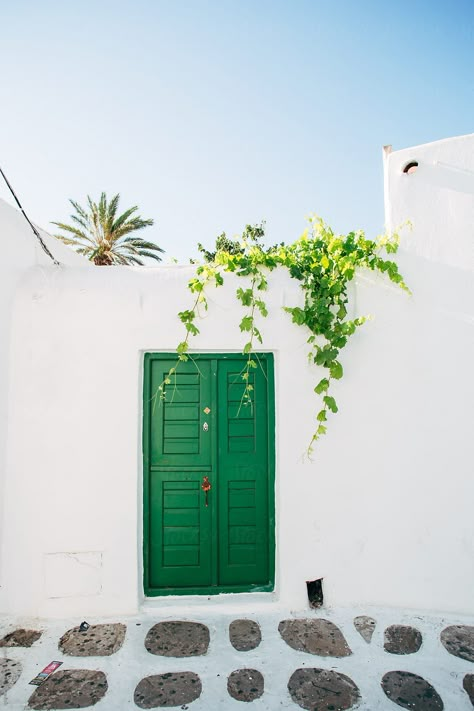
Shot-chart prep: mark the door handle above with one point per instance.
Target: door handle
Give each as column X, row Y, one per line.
column 206, row 487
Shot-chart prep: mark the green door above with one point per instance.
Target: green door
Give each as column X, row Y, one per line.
column 222, row 540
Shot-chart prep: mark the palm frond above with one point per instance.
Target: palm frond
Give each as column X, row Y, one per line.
column 126, row 249
column 151, row 255
column 132, row 226
column 143, row 244
column 86, row 251
column 80, row 221
column 102, row 209
column 92, row 206
column 134, row 260
column 66, row 240
column 74, row 230
column 120, row 258
column 123, row 218
column 112, row 211
column 80, row 210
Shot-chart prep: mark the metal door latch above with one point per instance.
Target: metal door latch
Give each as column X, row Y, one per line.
column 206, row 486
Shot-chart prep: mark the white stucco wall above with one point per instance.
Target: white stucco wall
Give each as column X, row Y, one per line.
column 383, row 513
column 20, row 251
column 438, row 199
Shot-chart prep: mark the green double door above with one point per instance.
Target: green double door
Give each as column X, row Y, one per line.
column 199, row 539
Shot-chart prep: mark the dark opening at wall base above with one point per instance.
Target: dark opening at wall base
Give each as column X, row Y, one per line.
column 315, row 592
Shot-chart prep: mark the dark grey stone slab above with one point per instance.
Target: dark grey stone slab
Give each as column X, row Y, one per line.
column 10, row 670
column 459, row 641
column 69, row 689
column 468, row 686
column 244, row 635
column 96, row 641
column 245, row 684
column 178, row 639
column 402, row 639
column 411, row 692
column 365, row 626
column 164, row 690
column 322, row 690
column 315, row 636
column 20, row 638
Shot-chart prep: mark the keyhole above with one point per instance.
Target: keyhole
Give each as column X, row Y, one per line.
column 205, row 427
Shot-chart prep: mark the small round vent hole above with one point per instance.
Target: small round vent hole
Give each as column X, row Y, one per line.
column 411, row 167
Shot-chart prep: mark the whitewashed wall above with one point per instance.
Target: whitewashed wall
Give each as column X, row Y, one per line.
column 383, row 513
column 20, row 251
column 438, row 199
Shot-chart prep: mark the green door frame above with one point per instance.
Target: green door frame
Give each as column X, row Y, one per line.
column 146, row 443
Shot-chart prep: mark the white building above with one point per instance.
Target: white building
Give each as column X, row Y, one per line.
column 384, row 512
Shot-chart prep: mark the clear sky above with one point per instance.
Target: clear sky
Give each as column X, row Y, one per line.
column 210, row 114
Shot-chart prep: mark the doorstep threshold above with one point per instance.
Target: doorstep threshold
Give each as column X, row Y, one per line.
column 224, row 603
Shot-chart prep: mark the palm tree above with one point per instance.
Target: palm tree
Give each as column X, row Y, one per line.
column 104, row 238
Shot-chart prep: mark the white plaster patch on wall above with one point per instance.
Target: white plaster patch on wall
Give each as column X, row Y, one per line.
column 72, row 574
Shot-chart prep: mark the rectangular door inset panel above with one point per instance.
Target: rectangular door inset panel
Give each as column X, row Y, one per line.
column 179, row 532
column 176, row 433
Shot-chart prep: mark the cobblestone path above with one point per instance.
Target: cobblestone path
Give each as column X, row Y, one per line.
column 320, row 662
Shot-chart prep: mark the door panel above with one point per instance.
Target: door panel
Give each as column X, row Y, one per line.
column 177, row 438
column 180, row 531
column 228, row 543
column 243, row 476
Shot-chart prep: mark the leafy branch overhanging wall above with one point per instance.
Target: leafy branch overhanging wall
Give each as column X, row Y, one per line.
column 324, row 263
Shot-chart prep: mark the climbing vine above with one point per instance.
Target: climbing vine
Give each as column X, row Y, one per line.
column 324, row 263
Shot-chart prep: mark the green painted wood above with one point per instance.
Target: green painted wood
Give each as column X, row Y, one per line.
column 228, row 545
column 180, row 531
column 179, row 526
column 243, row 462
column 176, row 435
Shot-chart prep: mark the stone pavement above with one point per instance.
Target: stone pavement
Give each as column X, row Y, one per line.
column 267, row 659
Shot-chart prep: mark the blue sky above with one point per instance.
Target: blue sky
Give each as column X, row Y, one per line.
column 210, row 114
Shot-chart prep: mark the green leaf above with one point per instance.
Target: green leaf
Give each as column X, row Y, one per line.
column 321, row 416
column 324, row 262
column 261, row 306
column 325, row 355
column 336, row 371
column 297, row 314
column 192, row 329
column 257, row 334
column 322, row 386
column 330, row 402
column 247, row 348
column 339, row 342
column 182, row 347
column 342, row 311
column 186, row 316
column 245, row 296
column 246, row 323
column 195, row 285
